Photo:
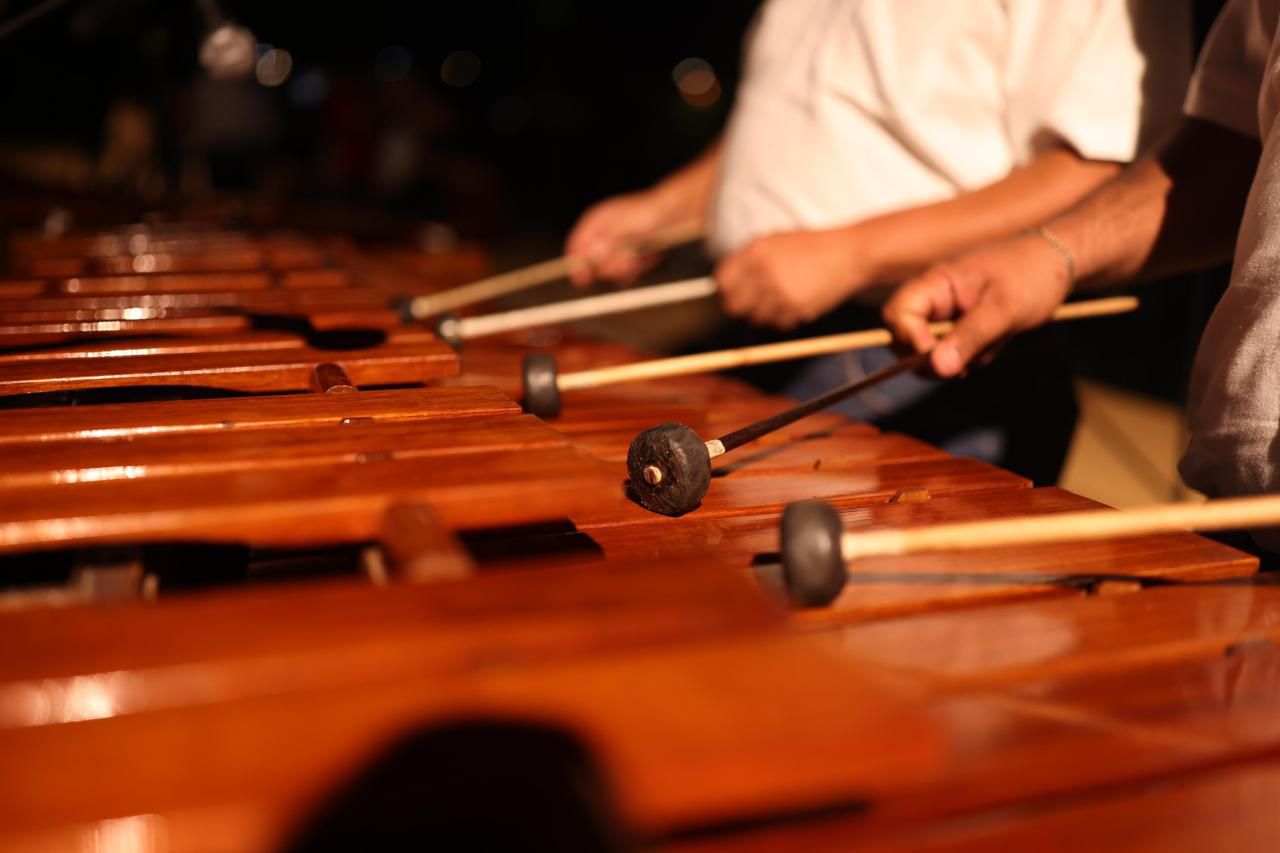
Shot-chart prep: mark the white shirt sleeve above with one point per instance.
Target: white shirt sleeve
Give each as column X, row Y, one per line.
column 1100, row 76
column 1229, row 75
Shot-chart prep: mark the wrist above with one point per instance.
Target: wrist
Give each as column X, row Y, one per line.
column 677, row 200
column 1066, row 257
column 872, row 256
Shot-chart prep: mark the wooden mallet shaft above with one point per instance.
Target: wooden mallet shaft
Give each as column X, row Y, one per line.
column 1058, row 528
column 817, row 551
column 455, row 329
column 429, row 305
column 543, row 384
column 709, row 362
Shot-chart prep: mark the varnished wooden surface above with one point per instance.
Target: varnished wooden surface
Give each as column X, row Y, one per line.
column 1087, row 734
column 253, row 370
column 893, row 587
column 913, row 714
column 737, row 494
column 278, row 449
column 90, row 423
column 306, row 505
column 263, row 641
column 972, row 649
column 31, row 334
column 1231, row 808
column 797, row 718
column 158, row 346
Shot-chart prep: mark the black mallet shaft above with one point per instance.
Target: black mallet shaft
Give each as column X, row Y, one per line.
column 670, row 464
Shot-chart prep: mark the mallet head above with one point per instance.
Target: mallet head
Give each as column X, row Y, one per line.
column 403, row 306
column 813, row 567
column 670, row 468
column 541, row 395
column 447, row 330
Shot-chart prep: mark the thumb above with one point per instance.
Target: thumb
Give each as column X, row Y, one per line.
column 978, row 329
column 909, row 310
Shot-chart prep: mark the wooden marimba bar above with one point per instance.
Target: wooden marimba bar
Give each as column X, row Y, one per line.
column 477, row 622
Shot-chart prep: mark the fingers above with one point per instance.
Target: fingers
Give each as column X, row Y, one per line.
column 624, row 266
column 752, row 289
column 928, row 297
column 604, row 237
column 941, row 293
column 988, row 322
column 737, row 286
column 587, row 243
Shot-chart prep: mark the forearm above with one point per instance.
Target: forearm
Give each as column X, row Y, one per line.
column 905, row 242
column 685, row 195
column 1175, row 210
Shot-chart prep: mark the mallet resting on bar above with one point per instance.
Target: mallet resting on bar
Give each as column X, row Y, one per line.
column 543, row 383
column 429, row 305
column 455, row 330
column 670, row 465
column 816, row 550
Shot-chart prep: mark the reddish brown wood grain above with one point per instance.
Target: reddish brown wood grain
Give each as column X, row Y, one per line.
column 770, row 492
column 112, row 421
column 801, row 723
column 32, row 334
column 225, row 718
column 159, row 346
column 276, row 449
column 233, row 369
column 308, row 505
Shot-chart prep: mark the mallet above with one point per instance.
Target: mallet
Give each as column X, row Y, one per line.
column 670, row 464
column 816, row 550
column 432, row 304
column 543, row 383
column 455, row 330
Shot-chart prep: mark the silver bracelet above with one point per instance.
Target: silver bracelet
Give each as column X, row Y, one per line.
column 1067, row 258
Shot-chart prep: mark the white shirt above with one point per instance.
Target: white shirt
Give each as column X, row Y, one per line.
column 852, row 108
column 1233, row 407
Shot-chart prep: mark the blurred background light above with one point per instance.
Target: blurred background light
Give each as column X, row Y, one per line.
column 229, row 52
column 460, row 69
column 274, row 67
column 697, row 82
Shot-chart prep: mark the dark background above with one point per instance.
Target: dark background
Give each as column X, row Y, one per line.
column 569, row 101
column 573, row 100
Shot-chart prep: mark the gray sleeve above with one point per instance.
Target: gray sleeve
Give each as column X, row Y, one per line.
column 1234, row 400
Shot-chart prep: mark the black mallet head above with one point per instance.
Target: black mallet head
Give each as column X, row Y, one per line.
column 541, row 393
column 670, row 468
column 813, row 566
column 403, row 306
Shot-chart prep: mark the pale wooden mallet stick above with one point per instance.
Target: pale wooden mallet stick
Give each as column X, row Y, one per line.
column 816, row 550
column 455, row 329
column 430, row 305
column 543, row 384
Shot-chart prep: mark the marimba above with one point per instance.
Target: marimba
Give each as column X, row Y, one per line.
column 273, row 588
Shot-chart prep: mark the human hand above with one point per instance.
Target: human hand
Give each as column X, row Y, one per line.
column 606, row 235
column 995, row 291
column 787, row 279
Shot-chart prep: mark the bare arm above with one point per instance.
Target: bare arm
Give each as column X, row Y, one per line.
column 1175, row 210
column 788, row 278
column 603, row 234
column 907, row 241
